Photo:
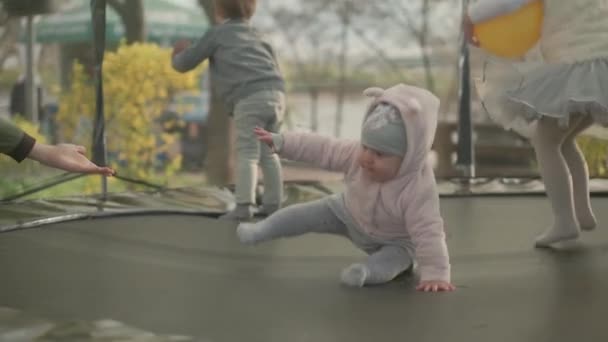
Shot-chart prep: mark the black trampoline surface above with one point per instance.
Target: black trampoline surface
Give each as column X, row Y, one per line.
column 188, row 275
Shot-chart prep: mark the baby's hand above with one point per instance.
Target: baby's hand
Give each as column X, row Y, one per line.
column 180, row 46
column 264, row 136
column 435, row 286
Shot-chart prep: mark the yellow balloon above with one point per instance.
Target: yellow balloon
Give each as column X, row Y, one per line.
column 513, row 34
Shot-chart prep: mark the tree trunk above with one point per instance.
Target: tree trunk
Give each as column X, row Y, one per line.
column 220, row 162
column 423, row 40
column 12, row 28
column 131, row 13
column 314, row 108
column 428, row 69
column 209, row 8
column 135, row 26
column 422, row 34
column 342, row 85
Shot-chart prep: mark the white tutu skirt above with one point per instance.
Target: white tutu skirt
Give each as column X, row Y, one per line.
column 515, row 95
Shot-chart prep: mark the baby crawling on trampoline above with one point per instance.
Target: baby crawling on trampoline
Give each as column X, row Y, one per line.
column 390, row 206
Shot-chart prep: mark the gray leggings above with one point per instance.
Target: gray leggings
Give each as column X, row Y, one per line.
column 385, row 261
column 262, row 109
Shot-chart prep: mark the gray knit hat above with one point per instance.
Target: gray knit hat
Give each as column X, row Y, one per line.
column 384, row 130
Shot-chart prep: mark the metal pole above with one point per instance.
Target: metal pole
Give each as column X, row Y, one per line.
column 98, row 15
column 31, row 107
column 465, row 148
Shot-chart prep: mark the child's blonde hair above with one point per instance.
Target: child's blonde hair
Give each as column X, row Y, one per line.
column 236, row 9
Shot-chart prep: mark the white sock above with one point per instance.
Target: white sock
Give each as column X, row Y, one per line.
column 380, row 267
column 248, row 233
column 355, row 275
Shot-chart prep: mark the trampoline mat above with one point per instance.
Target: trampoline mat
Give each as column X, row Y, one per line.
column 188, row 275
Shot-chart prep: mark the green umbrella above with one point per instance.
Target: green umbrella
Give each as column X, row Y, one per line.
column 165, row 22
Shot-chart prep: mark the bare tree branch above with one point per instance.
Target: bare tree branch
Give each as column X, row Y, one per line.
column 378, row 51
column 208, row 7
column 8, row 40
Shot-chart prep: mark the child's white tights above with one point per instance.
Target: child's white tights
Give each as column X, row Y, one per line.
column 566, row 177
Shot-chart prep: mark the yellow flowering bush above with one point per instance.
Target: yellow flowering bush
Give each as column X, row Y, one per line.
column 138, row 82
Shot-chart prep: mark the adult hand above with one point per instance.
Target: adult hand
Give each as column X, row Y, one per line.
column 67, row 157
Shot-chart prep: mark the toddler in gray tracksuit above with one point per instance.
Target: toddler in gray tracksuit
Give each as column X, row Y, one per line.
column 246, row 76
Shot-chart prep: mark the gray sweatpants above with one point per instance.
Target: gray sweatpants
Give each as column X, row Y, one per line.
column 386, row 259
column 263, row 109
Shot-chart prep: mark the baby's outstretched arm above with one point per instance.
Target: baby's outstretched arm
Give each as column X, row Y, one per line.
column 325, row 152
column 265, row 137
column 432, row 256
column 425, row 226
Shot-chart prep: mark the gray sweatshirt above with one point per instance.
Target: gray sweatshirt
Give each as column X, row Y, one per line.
column 241, row 62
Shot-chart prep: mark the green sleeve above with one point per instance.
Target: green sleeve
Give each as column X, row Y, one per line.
column 14, row 142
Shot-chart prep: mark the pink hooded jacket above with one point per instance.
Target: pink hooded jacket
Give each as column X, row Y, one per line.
column 406, row 207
